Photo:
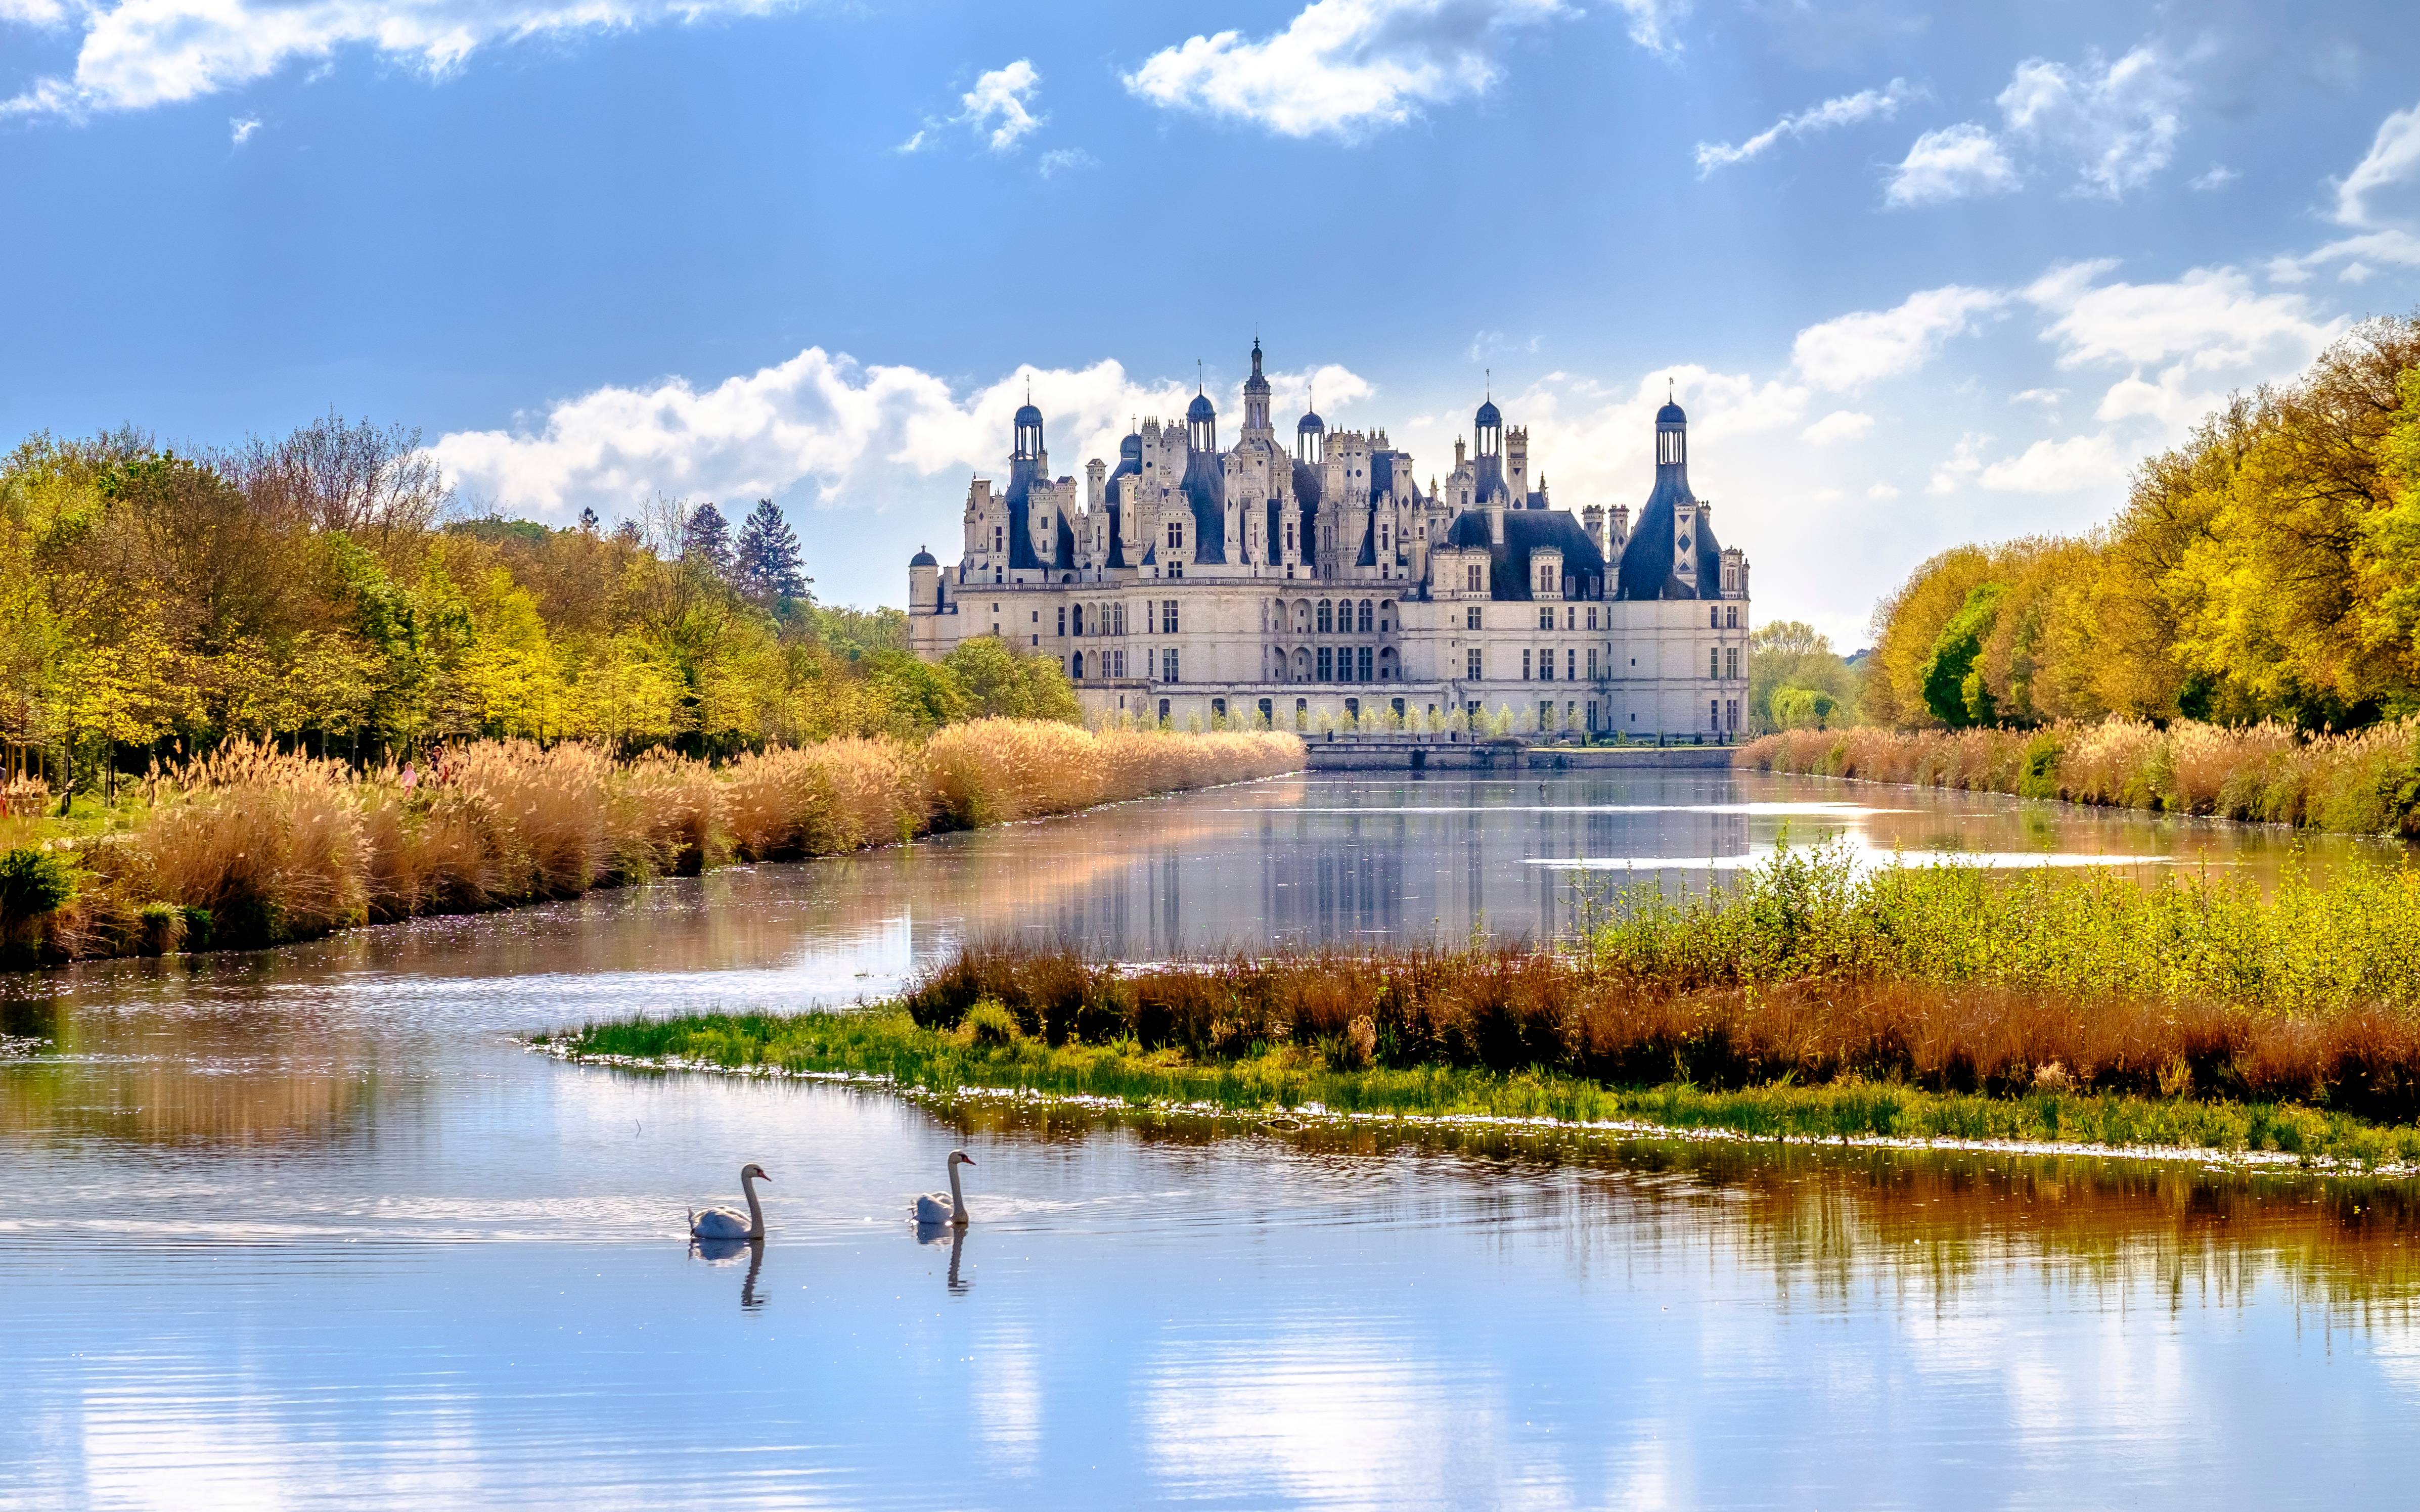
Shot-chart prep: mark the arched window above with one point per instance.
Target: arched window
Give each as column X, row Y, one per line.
column 1364, row 624
column 1076, row 666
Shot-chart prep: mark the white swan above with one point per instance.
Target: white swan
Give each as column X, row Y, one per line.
column 933, row 1207
column 722, row 1223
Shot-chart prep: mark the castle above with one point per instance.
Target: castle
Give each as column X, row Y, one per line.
column 1261, row 586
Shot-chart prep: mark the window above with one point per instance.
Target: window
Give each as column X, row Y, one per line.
column 1062, row 619
column 1289, row 535
column 1353, row 710
column 1362, row 665
column 1326, row 664
column 1572, row 663
column 1470, row 659
column 1075, row 668
column 999, row 538
column 1168, row 616
column 1362, row 625
column 1175, row 533
column 1218, row 709
column 1592, row 661
column 1471, row 618
column 1714, row 714
column 1546, row 579
column 1168, row 665
column 1301, row 713
column 1571, row 619
column 1730, row 617
column 1545, row 664
column 1592, row 617
column 1163, row 710
column 1471, row 578
column 1524, row 664
column 1326, row 616
column 1117, row 618
column 1714, row 663
column 1547, row 716
column 1545, row 618
column 1714, row 617
column 1177, row 569
column 1730, row 662
column 1268, row 714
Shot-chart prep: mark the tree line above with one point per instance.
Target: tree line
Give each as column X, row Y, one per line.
column 2266, row 569
column 327, row 590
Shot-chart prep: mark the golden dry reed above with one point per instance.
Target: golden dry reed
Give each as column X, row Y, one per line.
column 2363, row 783
column 256, row 847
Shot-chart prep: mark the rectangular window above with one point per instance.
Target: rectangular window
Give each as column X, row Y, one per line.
column 1592, row 661
column 1472, row 578
column 1546, row 619
column 1471, row 618
column 1714, row 663
column 1545, row 715
column 1591, row 618
column 1546, row 664
column 1168, row 665
column 1268, row 714
column 1168, row 616
column 1470, row 661
column 1219, row 708
column 1524, row 664
column 1362, row 665
column 1570, row 664
column 1062, row 619
column 1326, row 664
column 1175, row 534
column 1714, row 714
column 1362, row 623
column 1571, row 619
column 1301, row 713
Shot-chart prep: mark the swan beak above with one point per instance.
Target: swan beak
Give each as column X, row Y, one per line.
column 968, row 1158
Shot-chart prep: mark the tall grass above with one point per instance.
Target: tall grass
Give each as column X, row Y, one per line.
column 2365, row 782
column 256, row 846
column 1946, row 979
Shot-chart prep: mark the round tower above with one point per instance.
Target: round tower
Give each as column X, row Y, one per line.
column 1256, row 396
column 1309, row 432
column 1201, row 424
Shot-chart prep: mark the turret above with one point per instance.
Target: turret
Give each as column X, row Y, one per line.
column 1517, row 464
column 1594, row 518
column 923, row 583
column 1256, row 399
column 1201, row 424
column 1096, row 475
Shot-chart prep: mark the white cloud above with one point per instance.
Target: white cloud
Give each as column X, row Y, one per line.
column 999, row 103
column 2211, row 317
column 1839, row 426
column 2218, row 177
column 856, row 436
column 1847, row 109
column 1954, row 163
column 2383, row 189
column 1882, row 491
column 1651, row 21
column 1063, row 159
column 1345, row 67
column 2047, row 398
column 2068, row 466
column 139, row 53
column 1858, row 349
column 33, row 12
column 2118, row 120
column 1963, row 462
column 239, row 130
column 914, row 144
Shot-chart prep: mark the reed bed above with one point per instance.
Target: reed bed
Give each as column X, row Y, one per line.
column 256, row 846
column 1810, row 986
column 2363, row 783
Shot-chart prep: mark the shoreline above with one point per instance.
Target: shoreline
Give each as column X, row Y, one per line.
column 1698, row 1103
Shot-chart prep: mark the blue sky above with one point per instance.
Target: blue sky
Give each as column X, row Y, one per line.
column 1921, row 274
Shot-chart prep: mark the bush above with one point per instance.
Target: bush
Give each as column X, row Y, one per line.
column 33, row 882
column 990, row 1025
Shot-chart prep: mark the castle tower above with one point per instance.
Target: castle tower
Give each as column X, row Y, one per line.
column 1517, row 464
column 1309, row 432
column 1201, row 424
column 1256, row 400
column 1028, row 462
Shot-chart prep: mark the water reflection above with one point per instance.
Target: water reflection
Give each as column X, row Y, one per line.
column 727, row 1251
column 308, row 1226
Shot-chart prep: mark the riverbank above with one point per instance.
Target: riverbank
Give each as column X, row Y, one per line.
column 888, row 1048
column 2365, row 782
column 254, row 847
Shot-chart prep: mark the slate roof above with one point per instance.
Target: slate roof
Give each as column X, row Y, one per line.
column 1646, row 569
column 1527, row 532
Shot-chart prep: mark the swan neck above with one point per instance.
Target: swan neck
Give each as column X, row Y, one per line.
column 957, row 1199
column 755, row 1209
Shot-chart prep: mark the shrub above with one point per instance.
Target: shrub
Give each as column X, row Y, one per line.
column 990, row 1025
column 33, row 882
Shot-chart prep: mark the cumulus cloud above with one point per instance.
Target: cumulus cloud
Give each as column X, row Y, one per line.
column 1839, row 426
column 139, row 53
column 2218, row 175
column 1963, row 461
column 1846, row 110
column 2212, row 317
column 1347, row 67
column 1858, row 349
column 2383, row 189
column 998, row 104
column 1066, row 159
column 1955, row 163
column 2068, row 466
column 2117, row 121
column 849, row 434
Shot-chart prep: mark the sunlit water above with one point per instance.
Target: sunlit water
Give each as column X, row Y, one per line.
column 307, row 1228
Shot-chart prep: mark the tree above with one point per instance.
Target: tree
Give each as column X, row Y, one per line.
column 1803, row 708
column 1786, row 653
column 706, row 540
column 767, row 565
column 1000, row 680
column 1954, row 690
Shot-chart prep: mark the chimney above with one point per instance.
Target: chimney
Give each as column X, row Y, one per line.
column 1096, row 475
column 1593, row 517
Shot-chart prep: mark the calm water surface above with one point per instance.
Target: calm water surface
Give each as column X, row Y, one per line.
column 306, row 1227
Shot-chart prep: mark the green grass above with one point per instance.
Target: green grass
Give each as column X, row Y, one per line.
column 945, row 1062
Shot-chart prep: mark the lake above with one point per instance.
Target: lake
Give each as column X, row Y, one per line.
column 308, row 1228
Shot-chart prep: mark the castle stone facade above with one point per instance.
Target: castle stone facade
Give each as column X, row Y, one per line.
column 1293, row 585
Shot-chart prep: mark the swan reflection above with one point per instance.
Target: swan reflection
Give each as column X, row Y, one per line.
column 727, row 1251
column 956, row 1235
